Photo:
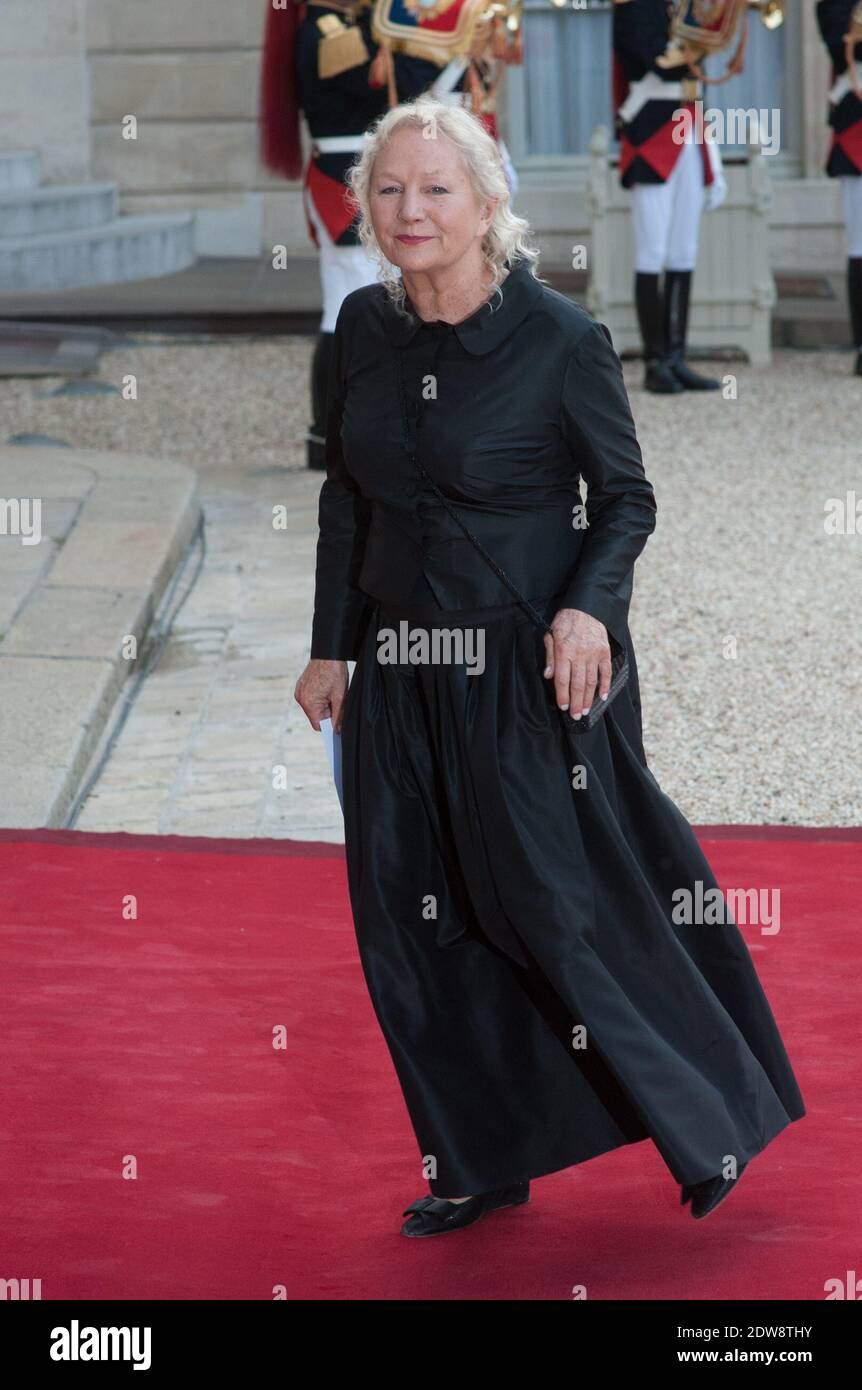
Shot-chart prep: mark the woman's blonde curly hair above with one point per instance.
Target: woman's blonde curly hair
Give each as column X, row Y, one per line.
column 506, row 239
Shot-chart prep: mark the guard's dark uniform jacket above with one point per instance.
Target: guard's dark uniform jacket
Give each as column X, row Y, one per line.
column 648, row 151
column 845, row 116
column 529, row 397
column 345, row 104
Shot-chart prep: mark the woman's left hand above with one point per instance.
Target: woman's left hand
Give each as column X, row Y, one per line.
column 578, row 659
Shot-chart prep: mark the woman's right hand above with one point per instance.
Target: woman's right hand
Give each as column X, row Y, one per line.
column 321, row 690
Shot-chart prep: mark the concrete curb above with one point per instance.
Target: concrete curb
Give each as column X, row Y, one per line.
column 114, row 529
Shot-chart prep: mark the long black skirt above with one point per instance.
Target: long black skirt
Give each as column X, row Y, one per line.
column 515, row 917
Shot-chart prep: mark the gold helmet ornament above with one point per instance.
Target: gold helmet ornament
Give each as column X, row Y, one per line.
column 476, row 32
column 851, row 38
column 702, row 27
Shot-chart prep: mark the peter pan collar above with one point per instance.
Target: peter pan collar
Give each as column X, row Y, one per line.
column 484, row 330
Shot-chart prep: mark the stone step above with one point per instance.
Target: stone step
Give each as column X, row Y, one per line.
column 19, row 169
column 128, row 248
column 114, row 529
column 51, row 349
column 56, row 208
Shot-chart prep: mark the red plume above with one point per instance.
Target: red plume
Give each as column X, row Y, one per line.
column 280, row 144
column 620, row 83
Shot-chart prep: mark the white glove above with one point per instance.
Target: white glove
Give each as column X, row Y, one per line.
column 714, row 193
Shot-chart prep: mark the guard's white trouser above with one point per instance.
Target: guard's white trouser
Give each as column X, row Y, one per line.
column 342, row 269
column 851, row 194
column 666, row 216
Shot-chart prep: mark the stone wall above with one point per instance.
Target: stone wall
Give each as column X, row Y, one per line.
column 189, row 72
column 44, row 84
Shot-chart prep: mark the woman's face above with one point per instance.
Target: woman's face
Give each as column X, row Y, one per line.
column 425, row 213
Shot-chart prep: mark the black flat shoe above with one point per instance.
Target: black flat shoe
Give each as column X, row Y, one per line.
column 706, row 1196
column 434, row 1216
column 686, row 1192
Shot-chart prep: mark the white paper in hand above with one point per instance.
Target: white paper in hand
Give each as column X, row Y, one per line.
column 332, row 742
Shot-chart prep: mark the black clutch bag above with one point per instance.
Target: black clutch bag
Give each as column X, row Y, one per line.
column 619, row 660
column 619, row 676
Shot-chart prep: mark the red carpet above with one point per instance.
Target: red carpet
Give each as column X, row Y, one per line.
column 149, row 1041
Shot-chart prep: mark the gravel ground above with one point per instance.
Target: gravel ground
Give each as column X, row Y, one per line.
column 745, row 612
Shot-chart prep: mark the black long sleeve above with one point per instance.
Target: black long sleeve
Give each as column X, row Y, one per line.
column 341, row 610
column 621, row 507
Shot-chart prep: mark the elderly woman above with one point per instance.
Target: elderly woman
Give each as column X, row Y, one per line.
column 516, row 873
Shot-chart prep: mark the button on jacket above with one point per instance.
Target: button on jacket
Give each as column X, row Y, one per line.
column 506, row 411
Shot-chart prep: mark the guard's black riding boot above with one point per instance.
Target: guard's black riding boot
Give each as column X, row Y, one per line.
column 677, row 288
column 658, row 376
column 316, row 437
column 854, row 295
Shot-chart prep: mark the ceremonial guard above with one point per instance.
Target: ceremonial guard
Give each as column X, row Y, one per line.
column 342, row 63
column 841, row 27
column 653, row 81
column 668, row 182
column 668, row 160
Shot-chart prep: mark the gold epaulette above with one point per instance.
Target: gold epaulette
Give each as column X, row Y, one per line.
column 341, row 48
